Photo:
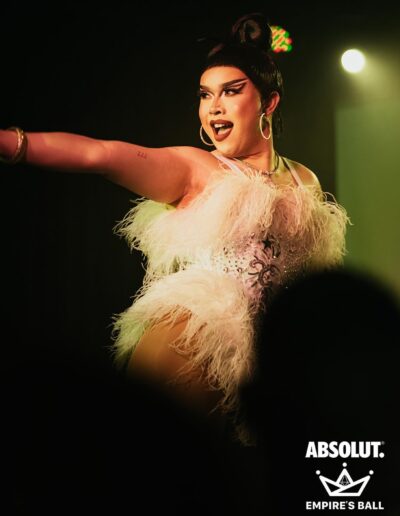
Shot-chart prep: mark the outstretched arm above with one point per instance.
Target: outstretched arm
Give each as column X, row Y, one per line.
column 162, row 174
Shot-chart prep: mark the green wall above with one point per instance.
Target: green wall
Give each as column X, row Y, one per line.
column 368, row 185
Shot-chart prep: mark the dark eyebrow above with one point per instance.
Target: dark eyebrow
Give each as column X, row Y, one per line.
column 225, row 84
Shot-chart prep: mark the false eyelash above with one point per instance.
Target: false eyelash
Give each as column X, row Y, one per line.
column 201, row 93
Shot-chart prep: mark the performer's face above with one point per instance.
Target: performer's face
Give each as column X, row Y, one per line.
column 238, row 102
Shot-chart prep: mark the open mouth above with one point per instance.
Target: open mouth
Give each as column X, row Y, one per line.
column 221, row 129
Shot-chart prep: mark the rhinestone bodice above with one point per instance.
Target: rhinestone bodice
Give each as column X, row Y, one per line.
column 262, row 266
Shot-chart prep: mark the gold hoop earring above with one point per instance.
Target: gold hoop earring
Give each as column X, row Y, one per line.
column 202, row 139
column 261, row 129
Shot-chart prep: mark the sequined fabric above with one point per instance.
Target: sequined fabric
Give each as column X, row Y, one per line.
column 262, row 265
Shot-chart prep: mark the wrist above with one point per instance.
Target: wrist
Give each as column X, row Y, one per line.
column 7, row 143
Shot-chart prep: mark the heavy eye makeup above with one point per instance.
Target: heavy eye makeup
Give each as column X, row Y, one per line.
column 203, row 94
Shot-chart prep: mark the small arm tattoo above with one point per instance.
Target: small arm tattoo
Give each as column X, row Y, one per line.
column 142, row 155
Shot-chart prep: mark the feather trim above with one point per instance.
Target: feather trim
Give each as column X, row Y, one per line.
column 219, row 333
column 230, row 208
column 181, row 274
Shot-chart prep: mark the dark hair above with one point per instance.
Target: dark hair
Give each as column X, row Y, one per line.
column 248, row 47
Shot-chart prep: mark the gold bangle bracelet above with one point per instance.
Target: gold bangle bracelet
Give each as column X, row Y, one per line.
column 20, row 151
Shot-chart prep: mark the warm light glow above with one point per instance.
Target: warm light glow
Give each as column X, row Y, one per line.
column 353, row 61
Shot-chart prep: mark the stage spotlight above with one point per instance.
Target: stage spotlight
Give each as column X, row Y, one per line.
column 353, row 61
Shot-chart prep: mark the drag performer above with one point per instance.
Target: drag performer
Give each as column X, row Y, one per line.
column 222, row 230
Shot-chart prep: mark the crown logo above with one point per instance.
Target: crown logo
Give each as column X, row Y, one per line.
column 344, row 485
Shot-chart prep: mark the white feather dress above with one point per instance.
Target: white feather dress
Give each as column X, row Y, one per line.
column 220, row 260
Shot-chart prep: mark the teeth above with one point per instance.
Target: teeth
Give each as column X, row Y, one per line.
column 221, row 128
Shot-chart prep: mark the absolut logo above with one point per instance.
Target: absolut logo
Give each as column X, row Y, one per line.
column 344, row 449
column 344, row 485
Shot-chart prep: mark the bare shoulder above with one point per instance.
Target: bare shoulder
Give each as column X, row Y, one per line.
column 201, row 163
column 195, row 155
column 307, row 176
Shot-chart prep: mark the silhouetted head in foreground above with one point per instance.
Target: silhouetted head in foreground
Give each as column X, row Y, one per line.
column 327, row 371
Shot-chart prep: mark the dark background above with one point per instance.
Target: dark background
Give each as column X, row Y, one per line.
column 130, row 72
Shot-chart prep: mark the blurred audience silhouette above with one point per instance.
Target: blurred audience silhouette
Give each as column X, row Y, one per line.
column 80, row 436
column 327, row 356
